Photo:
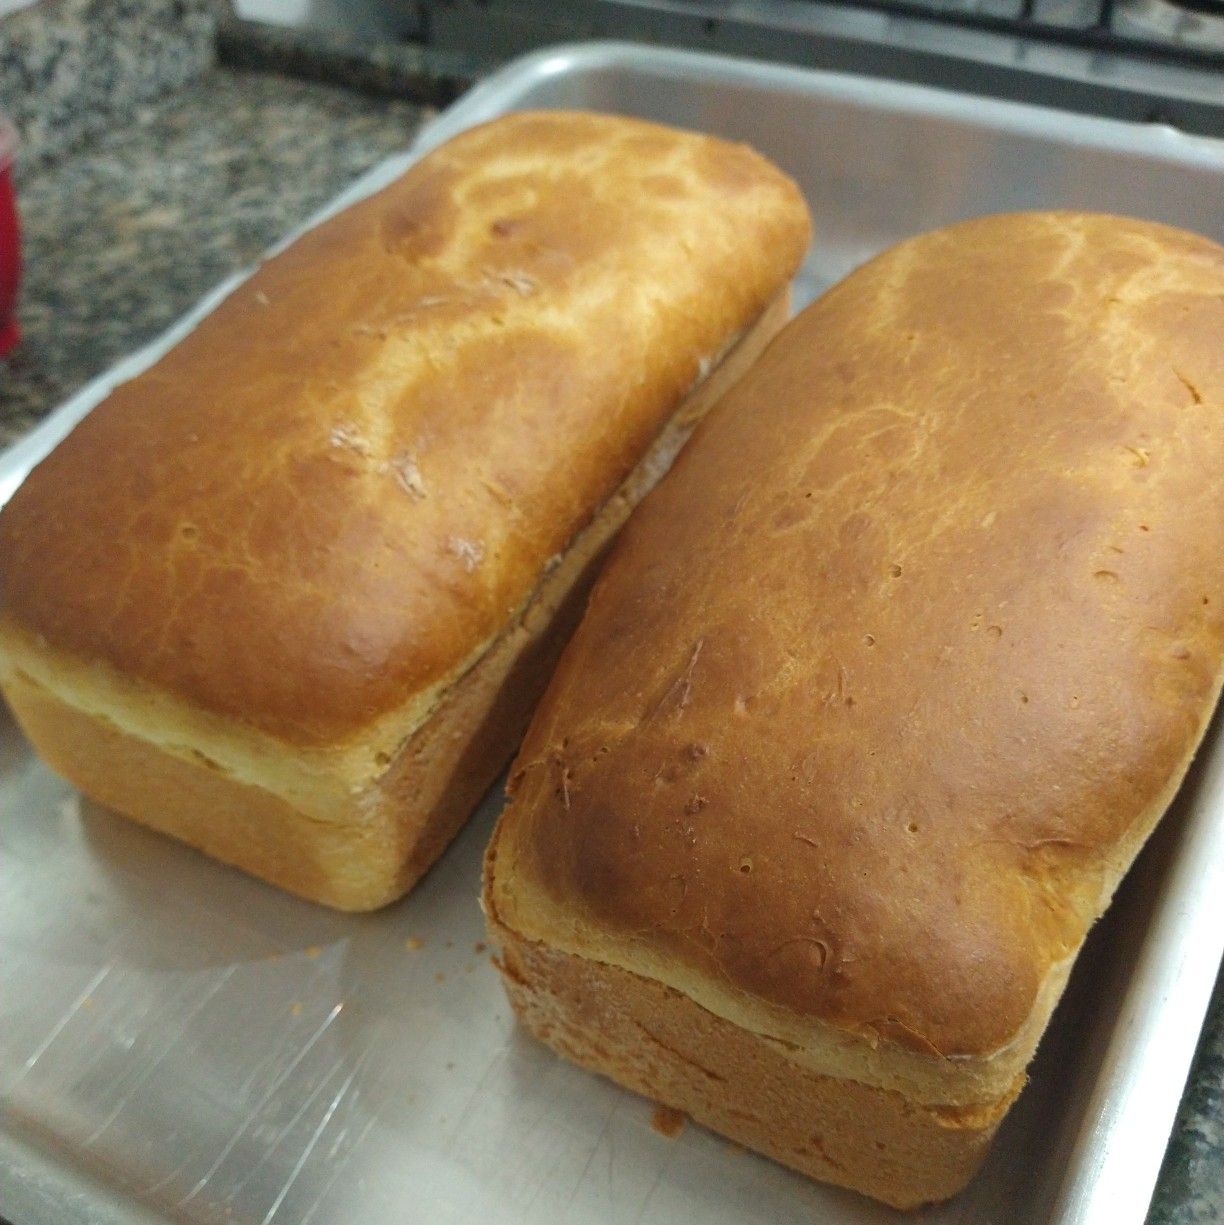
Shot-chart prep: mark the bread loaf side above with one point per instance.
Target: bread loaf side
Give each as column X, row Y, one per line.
column 886, row 683
column 277, row 553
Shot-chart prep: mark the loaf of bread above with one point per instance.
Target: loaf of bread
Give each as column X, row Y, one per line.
column 877, row 697
column 291, row 594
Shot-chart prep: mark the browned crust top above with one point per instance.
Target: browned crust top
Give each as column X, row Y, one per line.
column 337, row 487
column 927, row 619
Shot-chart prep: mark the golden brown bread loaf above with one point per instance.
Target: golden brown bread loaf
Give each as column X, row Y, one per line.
column 877, row 697
column 291, row 594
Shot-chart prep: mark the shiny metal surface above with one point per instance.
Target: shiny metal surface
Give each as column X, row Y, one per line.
column 178, row 1042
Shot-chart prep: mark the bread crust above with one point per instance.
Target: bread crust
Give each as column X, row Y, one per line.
column 314, row 513
column 338, row 825
column 883, row 688
column 661, row 1043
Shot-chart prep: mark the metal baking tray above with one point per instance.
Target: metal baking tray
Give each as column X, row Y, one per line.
column 179, row 1042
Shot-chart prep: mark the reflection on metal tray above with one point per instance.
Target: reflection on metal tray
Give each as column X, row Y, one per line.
column 180, row 1042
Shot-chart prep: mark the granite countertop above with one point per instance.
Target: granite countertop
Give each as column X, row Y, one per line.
column 122, row 238
column 127, row 233
column 127, row 230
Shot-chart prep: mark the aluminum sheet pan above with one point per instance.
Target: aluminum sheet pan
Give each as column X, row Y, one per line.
column 178, row 1042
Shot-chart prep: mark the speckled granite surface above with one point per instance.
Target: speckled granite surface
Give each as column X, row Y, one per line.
column 123, row 236
column 73, row 69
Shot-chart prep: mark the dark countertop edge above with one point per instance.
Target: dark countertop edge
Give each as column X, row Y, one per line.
column 407, row 71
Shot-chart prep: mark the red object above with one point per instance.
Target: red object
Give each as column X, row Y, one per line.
column 10, row 240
